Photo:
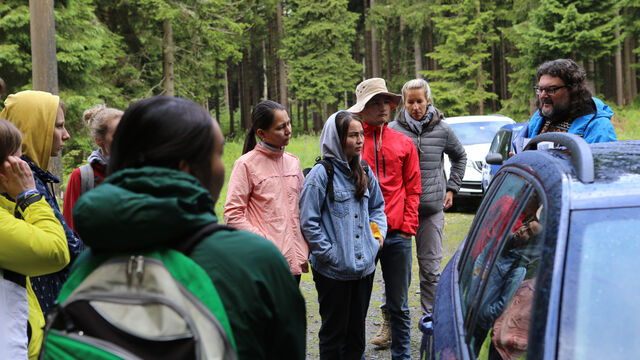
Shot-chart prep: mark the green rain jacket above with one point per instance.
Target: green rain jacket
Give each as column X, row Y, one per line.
column 140, row 209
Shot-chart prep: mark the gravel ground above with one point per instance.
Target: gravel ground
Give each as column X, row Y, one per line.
column 456, row 226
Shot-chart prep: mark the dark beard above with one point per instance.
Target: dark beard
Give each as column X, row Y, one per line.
column 558, row 112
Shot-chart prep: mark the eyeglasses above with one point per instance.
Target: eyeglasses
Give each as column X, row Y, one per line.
column 549, row 90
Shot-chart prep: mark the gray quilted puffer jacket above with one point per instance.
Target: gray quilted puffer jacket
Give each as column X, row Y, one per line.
column 437, row 139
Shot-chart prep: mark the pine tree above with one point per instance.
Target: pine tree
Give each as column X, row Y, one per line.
column 317, row 47
column 466, row 28
column 580, row 30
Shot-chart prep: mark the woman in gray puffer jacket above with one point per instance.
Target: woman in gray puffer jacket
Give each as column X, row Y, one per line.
column 422, row 123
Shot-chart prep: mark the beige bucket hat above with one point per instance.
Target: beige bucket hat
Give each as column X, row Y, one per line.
column 370, row 88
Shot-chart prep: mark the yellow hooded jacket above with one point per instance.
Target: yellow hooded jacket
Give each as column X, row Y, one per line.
column 34, row 113
column 34, row 246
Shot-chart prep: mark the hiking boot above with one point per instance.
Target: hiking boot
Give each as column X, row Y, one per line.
column 382, row 339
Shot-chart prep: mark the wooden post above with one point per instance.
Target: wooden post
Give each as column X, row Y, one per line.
column 44, row 63
column 43, row 46
column 168, row 52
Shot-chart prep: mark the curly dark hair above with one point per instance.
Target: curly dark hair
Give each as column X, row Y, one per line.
column 574, row 78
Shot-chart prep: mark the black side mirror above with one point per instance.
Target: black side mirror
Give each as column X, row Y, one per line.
column 494, row 159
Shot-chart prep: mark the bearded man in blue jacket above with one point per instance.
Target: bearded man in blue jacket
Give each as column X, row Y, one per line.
column 565, row 104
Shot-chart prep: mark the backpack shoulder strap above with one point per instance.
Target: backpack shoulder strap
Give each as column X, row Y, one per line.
column 365, row 166
column 187, row 246
column 86, row 178
column 328, row 167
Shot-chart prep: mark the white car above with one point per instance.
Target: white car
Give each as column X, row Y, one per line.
column 475, row 133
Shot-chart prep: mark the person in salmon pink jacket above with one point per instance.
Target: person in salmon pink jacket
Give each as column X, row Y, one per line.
column 265, row 185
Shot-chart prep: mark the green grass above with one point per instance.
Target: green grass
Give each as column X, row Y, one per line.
column 627, row 123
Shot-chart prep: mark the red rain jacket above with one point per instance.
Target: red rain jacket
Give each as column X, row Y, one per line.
column 394, row 160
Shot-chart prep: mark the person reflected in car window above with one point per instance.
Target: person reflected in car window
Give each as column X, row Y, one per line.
column 519, row 252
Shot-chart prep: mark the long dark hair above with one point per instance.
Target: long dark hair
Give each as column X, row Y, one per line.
column 574, row 78
column 162, row 131
column 360, row 179
column 261, row 118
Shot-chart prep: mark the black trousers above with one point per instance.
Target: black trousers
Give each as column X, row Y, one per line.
column 343, row 309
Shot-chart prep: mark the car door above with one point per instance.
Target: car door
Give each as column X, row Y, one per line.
column 497, row 265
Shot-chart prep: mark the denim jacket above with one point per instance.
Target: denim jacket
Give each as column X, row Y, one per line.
column 340, row 239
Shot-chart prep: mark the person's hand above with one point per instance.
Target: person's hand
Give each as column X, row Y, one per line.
column 380, row 241
column 16, row 176
column 448, row 200
column 511, row 153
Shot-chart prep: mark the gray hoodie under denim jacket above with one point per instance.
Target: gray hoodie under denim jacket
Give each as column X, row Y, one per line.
column 339, row 234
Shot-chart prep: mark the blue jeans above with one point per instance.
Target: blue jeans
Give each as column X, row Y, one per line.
column 395, row 261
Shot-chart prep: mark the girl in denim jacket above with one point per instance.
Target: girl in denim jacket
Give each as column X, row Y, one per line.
column 340, row 231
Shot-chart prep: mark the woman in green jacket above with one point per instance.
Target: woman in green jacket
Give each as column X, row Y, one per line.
column 166, row 174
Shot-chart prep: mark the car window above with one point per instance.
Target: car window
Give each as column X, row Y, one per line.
column 501, row 142
column 489, row 226
column 499, row 323
column 478, row 132
column 599, row 314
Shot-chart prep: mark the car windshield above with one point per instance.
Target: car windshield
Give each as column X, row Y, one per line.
column 480, row 132
column 600, row 317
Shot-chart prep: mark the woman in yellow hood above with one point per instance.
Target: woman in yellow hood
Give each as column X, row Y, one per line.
column 29, row 247
column 40, row 117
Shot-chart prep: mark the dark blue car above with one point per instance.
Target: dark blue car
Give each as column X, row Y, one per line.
column 500, row 146
column 549, row 268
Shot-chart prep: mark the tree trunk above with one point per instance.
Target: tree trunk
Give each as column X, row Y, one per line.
column 265, row 89
column 356, row 45
column 387, row 40
column 272, row 61
column 305, row 117
column 245, row 101
column 402, row 54
column 375, row 48
column 43, row 46
column 434, row 62
column 44, row 65
column 282, row 69
column 228, row 98
column 628, row 81
column 168, row 53
column 216, row 103
column 634, row 78
column 591, row 69
column 619, row 84
column 417, row 56
column 430, row 61
column 494, row 104
column 503, row 70
column 316, row 113
column 368, row 66
column 479, row 79
column 298, row 112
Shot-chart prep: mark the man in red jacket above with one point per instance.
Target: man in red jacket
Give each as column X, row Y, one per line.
column 394, row 160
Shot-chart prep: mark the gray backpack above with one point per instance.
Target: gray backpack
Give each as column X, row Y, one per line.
column 87, row 180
